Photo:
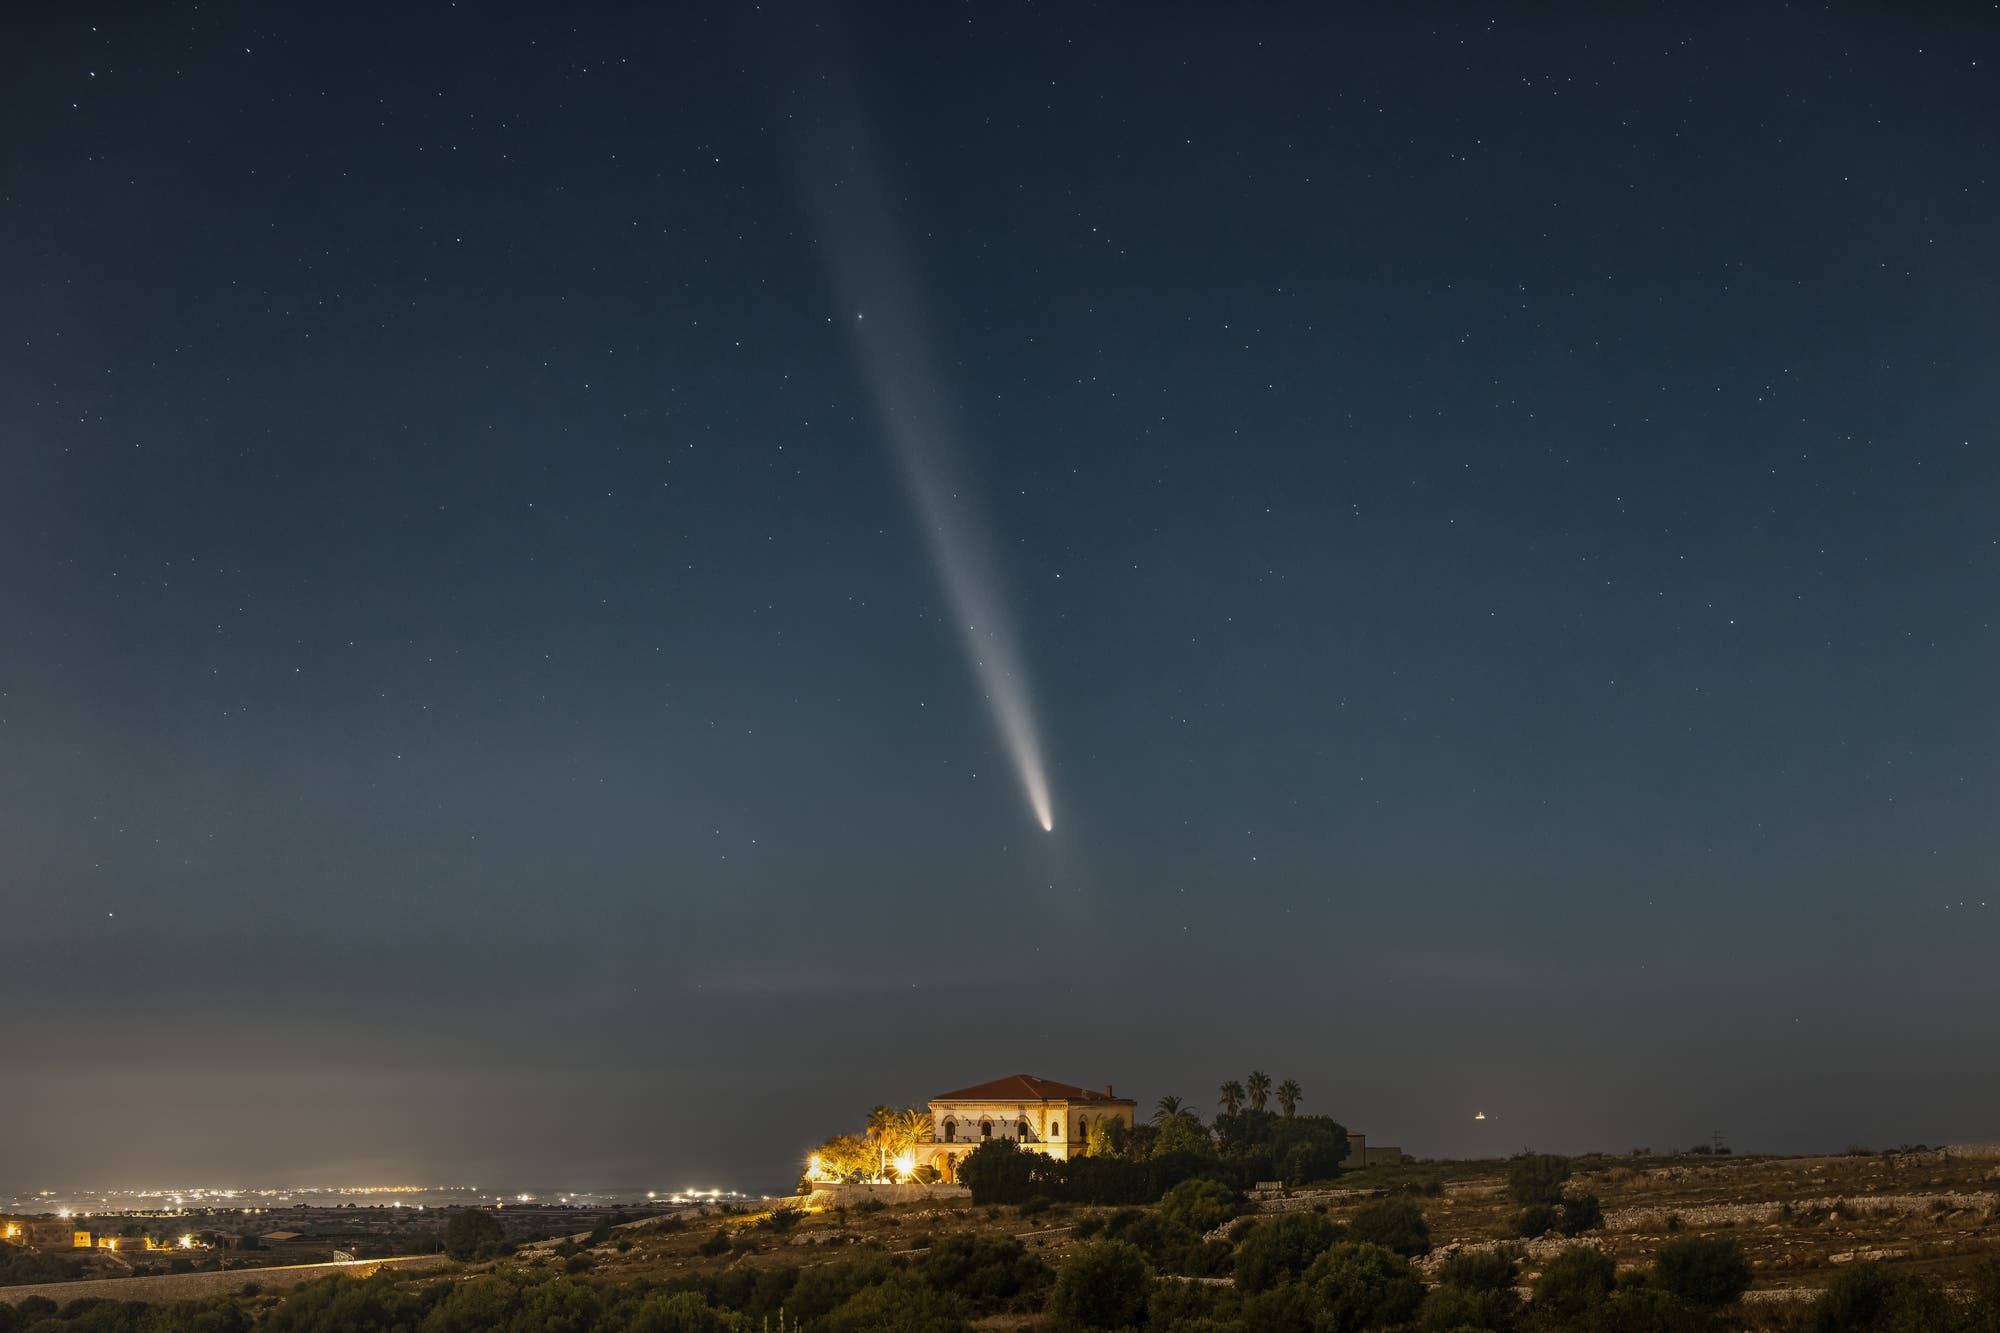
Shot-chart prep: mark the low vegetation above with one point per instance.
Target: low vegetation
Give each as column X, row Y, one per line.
column 1716, row 1244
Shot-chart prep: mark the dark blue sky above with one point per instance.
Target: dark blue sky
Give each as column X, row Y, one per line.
column 1499, row 517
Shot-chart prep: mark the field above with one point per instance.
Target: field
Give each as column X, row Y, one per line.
column 1799, row 1219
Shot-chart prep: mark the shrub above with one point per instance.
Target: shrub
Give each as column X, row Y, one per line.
column 1152, row 1232
column 1868, row 1297
column 1468, row 1310
column 1394, row 1224
column 897, row 1306
column 997, row 1172
column 1188, row 1307
column 1537, row 1219
column 1534, row 1178
column 1103, row 1286
column 824, row 1288
column 1480, row 1270
column 474, row 1233
column 1361, row 1286
column 992, row 1273
column 1703, row 1270
column 782, row 1219
column 1282, row 1247
column 1580, row 1213
column 1574, row 1281
column 1199, row 1205
column 1122, row 1220
column 716, row 1244
column 1036, row 1206
column 682, row 1312
column 1650, row 1310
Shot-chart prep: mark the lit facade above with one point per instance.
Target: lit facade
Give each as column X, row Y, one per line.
column 1039, row 1114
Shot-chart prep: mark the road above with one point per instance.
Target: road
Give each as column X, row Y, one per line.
column 158, row 1288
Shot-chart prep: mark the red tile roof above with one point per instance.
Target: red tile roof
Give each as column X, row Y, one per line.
column 1026, row 1088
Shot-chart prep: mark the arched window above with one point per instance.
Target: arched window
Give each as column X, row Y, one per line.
column 1055, row 1129
column 1021, row 1130
column 986, row 1129
column 950, row 1130
column 1083, row 1127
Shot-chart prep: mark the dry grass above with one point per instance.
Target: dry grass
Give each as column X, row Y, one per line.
column 1799, row 1219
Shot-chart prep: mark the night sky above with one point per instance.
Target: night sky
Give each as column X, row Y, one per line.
column 522, row 534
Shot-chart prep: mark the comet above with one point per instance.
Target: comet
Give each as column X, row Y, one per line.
column 865, row 259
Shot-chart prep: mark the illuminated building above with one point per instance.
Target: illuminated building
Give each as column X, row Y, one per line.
column 1039, row 1114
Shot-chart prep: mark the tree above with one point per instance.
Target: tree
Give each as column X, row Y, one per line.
column 1166, row 1109
column 1537, row 1219
column 908, row 1128
column 1199, row 1205
column 1231, row 1099
column 1396, row 1224
column 1450, row 1309
column 1868, row 1297
column 991, row 1272
column 1537, row 1178
column 881, row 1121
column 682, row 1312
column 1703, row 1270
column 1580, row 1213
column 1284, row 1246
column 1573, row 1282
column 846, row 1155
column 1107, row 1137
column 1362, row 1287
column 1310, row 1159
column 1289, row 1093
column 473, row 1233
column 901, row 1305
column 1103, row 1286
column 997, row 1171
column 1259, row 1085
column 1181, row 1132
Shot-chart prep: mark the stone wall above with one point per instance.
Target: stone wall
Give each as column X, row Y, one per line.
column 849, row 1194
column 1852, row 1205
column 163, row 1287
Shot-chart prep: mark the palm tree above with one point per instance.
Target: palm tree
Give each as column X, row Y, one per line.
column 911, row 1127
column 880, row 1121
column 1289, row 1093
column 1166, row 1109
column 1259, row 1084
column 1232, row 1097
